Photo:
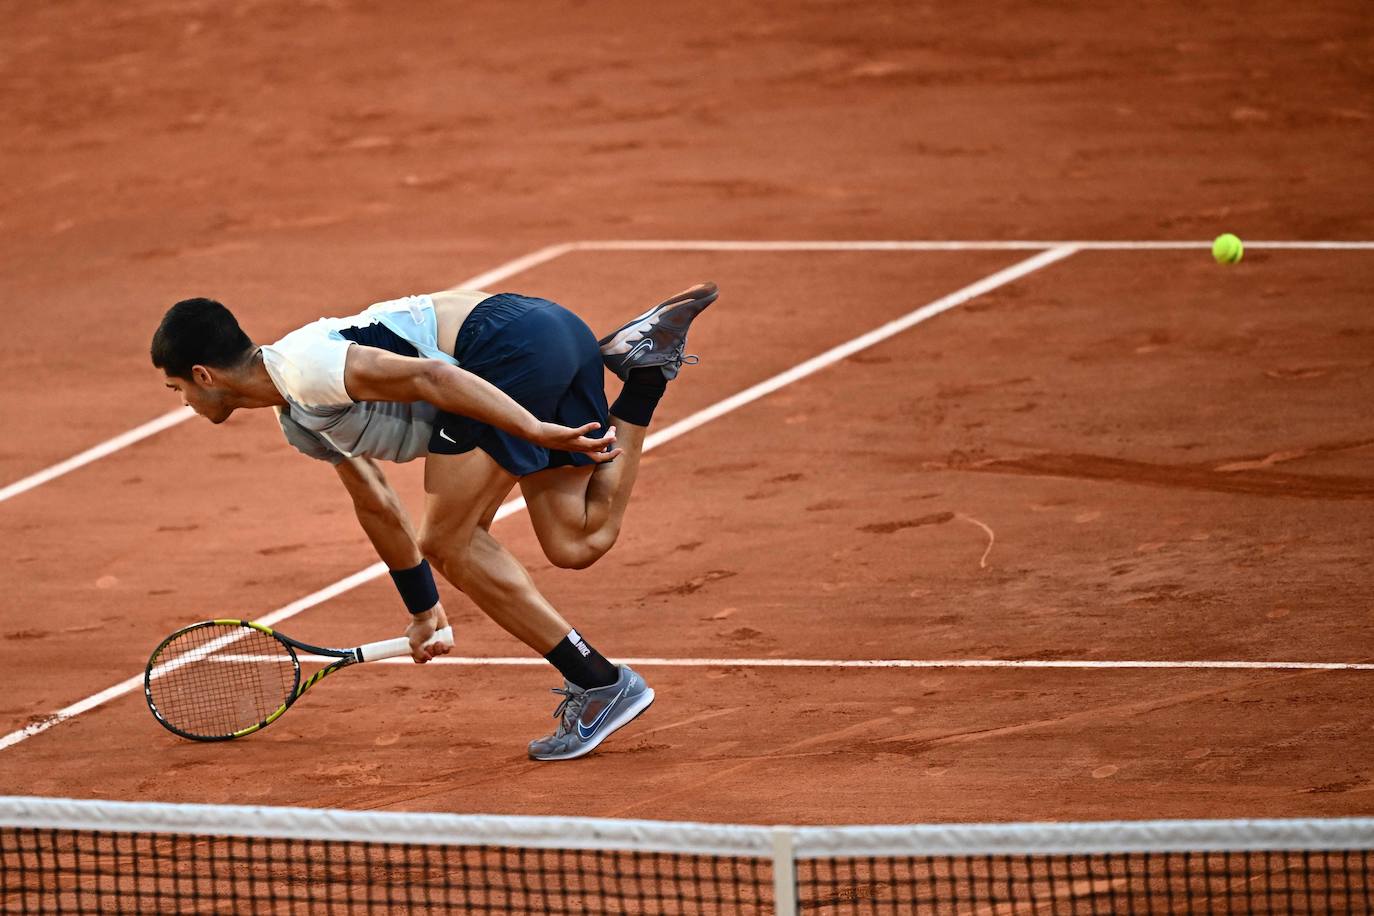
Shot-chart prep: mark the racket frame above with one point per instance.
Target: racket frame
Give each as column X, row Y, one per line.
column 344, row 658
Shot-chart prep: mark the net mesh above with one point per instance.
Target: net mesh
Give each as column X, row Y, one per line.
column 47, row 870
column 213, row 680
column 57, row 855
column 1270, row 881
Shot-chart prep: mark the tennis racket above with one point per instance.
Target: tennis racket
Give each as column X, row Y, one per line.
column 223, row 679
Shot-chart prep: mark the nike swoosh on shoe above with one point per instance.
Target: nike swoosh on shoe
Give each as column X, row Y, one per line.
column 585, row 732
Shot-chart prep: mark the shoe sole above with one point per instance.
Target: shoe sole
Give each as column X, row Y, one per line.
column 623, row 718
column 702, row 291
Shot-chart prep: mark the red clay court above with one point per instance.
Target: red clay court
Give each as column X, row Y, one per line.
column 993, row 498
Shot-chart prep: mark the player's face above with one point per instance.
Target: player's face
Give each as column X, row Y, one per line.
column 208, row 402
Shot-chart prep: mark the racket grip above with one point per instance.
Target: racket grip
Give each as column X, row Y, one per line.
column 400, row 646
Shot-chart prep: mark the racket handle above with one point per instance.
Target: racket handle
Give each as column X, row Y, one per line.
column 400, row 646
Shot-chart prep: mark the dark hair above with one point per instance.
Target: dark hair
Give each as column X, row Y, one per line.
column 198, row 332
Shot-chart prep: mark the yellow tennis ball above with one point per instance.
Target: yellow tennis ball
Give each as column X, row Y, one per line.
column 1227, row 249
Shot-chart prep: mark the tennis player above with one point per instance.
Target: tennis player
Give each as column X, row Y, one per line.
column 492, row 390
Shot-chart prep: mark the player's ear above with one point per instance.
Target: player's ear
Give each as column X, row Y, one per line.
column 202, row 375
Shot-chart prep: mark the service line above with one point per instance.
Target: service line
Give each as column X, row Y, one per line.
column 781, row 245
column 1082, row 664
column 753, row 393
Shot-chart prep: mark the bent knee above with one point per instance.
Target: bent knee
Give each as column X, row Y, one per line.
column 582, row 553
column 446, row 555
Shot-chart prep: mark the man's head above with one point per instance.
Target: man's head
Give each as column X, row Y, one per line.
column 199, row 347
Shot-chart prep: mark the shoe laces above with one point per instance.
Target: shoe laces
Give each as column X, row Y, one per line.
column 570, row 707
column 676, row 356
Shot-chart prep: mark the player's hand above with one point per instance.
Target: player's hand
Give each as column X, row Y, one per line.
column 422, row 629
column 568, row 439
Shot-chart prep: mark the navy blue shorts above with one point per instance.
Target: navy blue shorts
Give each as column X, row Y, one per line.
column 544, row 357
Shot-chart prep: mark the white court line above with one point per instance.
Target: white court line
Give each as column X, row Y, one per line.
column 815, row 364
column 554, row 251
column 519, row 265
column 897, row 245
column 182, row 414
column 1089, row 664
column 97, row 452
column 862, row 342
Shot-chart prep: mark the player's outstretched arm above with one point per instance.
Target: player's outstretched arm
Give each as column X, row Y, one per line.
column 384, row 518
column 372, row 374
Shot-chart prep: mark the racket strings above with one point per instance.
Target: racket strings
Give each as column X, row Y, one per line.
column 213, row 681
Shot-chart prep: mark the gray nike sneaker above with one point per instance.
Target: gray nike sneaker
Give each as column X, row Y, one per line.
column 588, row 717
column 659, row 336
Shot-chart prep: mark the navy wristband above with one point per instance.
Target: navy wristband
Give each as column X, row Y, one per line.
column 416, row 586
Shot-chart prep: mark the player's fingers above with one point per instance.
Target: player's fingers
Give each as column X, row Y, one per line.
column 589, row 444
column 603, row 457
column 588, row 433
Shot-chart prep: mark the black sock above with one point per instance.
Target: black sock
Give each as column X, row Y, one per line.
column 581, row 664
column 640, row 396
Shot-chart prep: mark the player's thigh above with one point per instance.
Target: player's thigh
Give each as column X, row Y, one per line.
column 557, row 499
column 462, row 493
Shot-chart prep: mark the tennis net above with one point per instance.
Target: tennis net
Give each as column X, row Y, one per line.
column 63, row 855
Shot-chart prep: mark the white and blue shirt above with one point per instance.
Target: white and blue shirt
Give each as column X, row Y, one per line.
column 320, row 418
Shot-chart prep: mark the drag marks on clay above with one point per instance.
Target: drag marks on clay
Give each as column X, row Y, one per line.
column 694, row 584
column 827, row 505
column 715, row 470
column 947, row 392
column 1292, row 455
column 1295, row 375
column 937, row 518
column 27, row 634
column 1336, row 788
column 281, row 549
column 1177, row 476
column 207, row 249
column 926, row 521
column 768, row 492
